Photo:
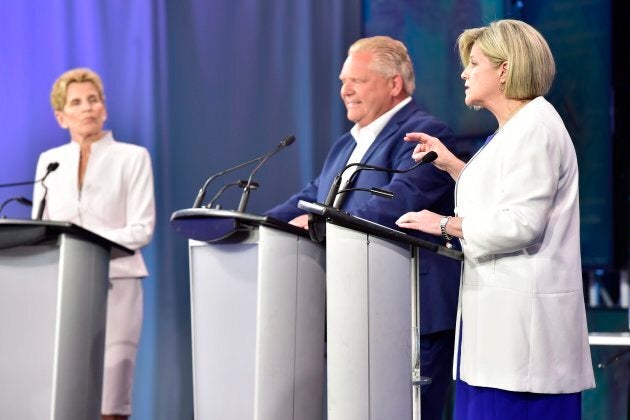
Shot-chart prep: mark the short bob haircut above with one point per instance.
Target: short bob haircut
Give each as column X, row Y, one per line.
column 531, row 67
column 58, row 94
column 390, row 58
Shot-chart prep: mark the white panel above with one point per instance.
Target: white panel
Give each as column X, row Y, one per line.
column 347, row 324
column 290, row 336
column 28, row 306
column 369, row 327
column 390, row 330
column 223, row 293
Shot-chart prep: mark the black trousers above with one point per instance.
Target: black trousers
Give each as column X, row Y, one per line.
column 436, row 362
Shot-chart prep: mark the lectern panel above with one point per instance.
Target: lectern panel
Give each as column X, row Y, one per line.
column 290, row 330
column 28, row 306
column 369, row 327
column 223, row 293
column 52, row 323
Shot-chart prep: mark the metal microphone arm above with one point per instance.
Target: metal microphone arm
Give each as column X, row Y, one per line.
column 334, row 189
column 374, row 191
column 42, row 204
column 51, row 168
column 22, row 200
column 202, row 191
column 240, row 183
column 287, row 141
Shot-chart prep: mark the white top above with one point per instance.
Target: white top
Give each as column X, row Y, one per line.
column 116, row 201
column 521, row 298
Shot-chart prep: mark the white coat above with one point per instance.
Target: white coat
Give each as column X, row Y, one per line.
column 521, row 299
column 116, row 201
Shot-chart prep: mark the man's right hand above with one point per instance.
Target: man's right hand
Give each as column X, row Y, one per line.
column 300, row 221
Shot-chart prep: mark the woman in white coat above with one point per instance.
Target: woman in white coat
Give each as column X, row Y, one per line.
column 522, row 349
column 106, row 187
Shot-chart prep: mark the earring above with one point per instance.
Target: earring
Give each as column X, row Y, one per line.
column 502, row 87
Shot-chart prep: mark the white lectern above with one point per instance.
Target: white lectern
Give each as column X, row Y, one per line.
column 373, row 317
column 53, row 302
column 258, row 316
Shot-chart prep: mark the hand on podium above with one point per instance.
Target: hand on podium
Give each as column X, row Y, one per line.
column 300, row 221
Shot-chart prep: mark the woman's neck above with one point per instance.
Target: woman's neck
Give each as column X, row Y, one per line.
column 508, row 109
column 85, row 141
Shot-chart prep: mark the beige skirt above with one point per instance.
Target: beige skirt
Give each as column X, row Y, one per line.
column 124, row 323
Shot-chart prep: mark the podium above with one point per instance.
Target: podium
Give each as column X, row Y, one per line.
column 53, row 302
column 258, row 316
column 373, row 318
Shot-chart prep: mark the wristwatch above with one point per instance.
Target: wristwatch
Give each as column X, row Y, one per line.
column 443, row 221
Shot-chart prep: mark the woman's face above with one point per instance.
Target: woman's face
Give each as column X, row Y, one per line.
column 84, row 112
column 482, row 79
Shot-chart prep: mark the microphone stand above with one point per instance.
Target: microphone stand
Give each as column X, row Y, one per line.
column 202, row 191
column 240, row 183
column 334, row 189
column 287, row 141
column 22, row 200
column 42, row 204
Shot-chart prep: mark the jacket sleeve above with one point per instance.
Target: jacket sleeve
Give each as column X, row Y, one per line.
column 139, row 206
column 530, row 162
column 289, row 210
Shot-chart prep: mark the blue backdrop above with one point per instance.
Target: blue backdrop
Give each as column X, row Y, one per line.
column 207, row 84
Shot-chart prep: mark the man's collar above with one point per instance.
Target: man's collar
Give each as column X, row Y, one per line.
column 376, row 126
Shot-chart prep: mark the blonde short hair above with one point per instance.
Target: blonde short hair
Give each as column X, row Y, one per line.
column 531, row 67
column 58, row 94
column 390, row 58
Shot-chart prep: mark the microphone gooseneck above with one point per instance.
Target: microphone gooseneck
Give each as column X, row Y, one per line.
column 22, row 200
column 50, row 168
column 42, row 204
column 287, row 141
column 240, row 183
column 334, row 189
column 202, row 191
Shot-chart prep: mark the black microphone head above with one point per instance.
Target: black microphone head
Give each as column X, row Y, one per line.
column 287, row 141
column 24, row 201
column 52, row 166
column 429, row 157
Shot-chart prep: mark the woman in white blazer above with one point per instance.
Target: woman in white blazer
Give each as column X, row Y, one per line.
column 522, row 349
column 106, row 187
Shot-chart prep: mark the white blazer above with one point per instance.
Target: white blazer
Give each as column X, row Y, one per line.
column 116, row 201
column 521, row 299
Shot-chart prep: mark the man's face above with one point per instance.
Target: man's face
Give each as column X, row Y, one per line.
column 366, row 93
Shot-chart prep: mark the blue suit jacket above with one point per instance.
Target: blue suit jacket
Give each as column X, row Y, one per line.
column 423, row 188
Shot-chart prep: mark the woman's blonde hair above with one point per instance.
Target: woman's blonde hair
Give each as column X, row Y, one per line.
column 59, row 92
column 531, row 67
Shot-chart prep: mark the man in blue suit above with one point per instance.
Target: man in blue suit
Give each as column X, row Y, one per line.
column 377, row 81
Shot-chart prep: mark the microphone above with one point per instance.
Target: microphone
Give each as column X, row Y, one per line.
column 374, row 191
column 240, row 183
column 202, row 191
column 334, row 188
column 42, row 204
column 22, row 200
column 51, row 167
column 287, row 141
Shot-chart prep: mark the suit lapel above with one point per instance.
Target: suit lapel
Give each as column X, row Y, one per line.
column 390, row 129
